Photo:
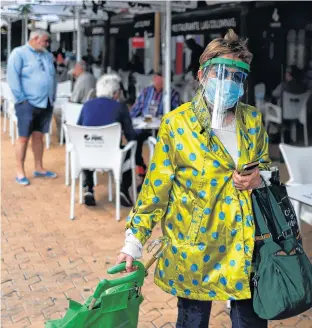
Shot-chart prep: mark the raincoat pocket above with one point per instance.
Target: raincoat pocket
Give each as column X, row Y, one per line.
column 196, row 220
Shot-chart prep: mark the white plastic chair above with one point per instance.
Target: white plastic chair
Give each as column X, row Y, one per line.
column 142, row 81
column 70, row 115
column 97, row 71
column 273, row 114
column 98, row 148
column 298, row 162
column 124, row 75
column 151, row 142
column 63, row 89
column 91, row 94
column 303, row 118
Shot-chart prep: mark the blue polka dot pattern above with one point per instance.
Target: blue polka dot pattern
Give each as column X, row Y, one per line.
column 146, row 182
column 192, row 157
column 179, row 217
column 216, row 164
column 180, row 131
column 203, row 229
column 187, row 292
column 194, row 267
column 246, row 249
column 212, row 293
column 206, row 258
column 213, row 182
column 226, row 179
column 171, row 134
column 167, row 162
column 207, row 211
column 173, row 291
column 172, row 177
column 180, row 236
column 179, row 146
column 232, row 263
column 169, row 225
column 184, row 199
column 183, row 169
column 238, row 218
column 254, row 114
column 233, row 232
column 223, row 281
column 137, row 220
column 239, row 154
column 174, row 250
column 204, row 147
column 153, row 167
column 155, row 200
column 252, row 131
column 171, row 282
column 217, row 266
column 157, row 183
column 134, row 230
column 194, row 134
column 238, row 247
column 140, row 202
column 193, row 119
column 222, row 216
column 161, row 273
column 205, row 278
column 195, row 282
column 201, row 246
column 202, row 194
column 215, row 235
column 128, row 219
column 166, row 148
column 188, row 183
column 181, row 277
column 184, row 255
column 167, row 121
column 222, row 249
column 215, row 147
column 239, row 286
column 195, row 173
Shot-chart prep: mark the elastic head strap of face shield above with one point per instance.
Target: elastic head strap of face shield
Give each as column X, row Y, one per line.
column 226, row 61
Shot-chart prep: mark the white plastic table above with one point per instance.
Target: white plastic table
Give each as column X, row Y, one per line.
column 301, row 193
column 139, row 124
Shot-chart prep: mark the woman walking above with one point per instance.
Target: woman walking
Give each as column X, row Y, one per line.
column 196, row 189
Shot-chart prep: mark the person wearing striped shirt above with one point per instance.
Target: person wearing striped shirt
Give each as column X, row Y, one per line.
column 151, row 96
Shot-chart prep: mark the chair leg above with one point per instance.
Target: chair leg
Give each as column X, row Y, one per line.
column 72, row 199
column 95, row 179
column 306, row 136
column 13, row 133
column 134, row 187
column 61, row 135
column 110, row 187
column 67, row 160
column 5, row 121
column 117, row 182
column 80, row 188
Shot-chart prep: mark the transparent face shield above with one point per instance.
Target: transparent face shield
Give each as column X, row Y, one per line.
column 222, row 85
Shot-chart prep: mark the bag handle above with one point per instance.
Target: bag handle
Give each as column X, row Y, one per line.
column 264, row 229
column 136, row 276
column 278, row 220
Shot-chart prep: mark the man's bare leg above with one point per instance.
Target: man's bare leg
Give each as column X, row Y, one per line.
column 20, row 151
column 37, row 147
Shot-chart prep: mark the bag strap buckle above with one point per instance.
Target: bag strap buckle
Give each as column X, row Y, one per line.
column 265, row 236
column 285, row 234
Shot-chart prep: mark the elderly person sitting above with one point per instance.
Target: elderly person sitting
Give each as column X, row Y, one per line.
column 104, row 110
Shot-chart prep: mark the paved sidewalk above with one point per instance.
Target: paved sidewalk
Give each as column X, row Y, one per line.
column 47, row 258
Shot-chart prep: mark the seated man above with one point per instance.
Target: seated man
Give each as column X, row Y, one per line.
column 150, row 99
column 104, row 110
column 85, row 82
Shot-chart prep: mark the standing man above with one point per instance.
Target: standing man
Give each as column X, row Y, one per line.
column 31, row 77
column 197, row 50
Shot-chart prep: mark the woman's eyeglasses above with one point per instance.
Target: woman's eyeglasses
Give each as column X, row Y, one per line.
column 224, row 73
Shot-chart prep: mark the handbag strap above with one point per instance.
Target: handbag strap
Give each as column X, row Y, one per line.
column 264, row 229
column 277, row 215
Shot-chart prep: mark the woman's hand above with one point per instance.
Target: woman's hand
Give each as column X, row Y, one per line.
column 128, row 259
column 247, row 182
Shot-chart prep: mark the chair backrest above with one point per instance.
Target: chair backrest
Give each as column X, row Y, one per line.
column 151, row 141
column 95, row 147
column 63, row 89
column 273, row 113
column 292, row 104
column 124, row 75
column 6, row 92
column 91, row 94
column 304, row 109
column 72, row 112
column 259, row 91
column 97, row 71
column 298, row 162
column 142, row 81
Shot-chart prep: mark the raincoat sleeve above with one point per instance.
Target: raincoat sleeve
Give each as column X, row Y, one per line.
column 153, row 200
column 263, row 147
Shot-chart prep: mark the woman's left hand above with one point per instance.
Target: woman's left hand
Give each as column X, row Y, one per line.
column 247, row 182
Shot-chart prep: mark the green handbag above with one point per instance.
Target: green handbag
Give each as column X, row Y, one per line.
column 114, row 304
column 283, row 277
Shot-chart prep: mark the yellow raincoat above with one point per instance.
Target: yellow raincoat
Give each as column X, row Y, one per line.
column 189, row 189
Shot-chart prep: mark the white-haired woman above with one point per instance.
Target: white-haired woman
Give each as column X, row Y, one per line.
column 104, row 110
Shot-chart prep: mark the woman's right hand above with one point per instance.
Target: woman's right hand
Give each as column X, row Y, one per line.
column 128, row 259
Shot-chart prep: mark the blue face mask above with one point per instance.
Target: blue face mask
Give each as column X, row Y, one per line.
column 231, row 92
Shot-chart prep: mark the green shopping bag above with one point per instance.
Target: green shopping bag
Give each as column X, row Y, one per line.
column 283, row 277
column 114, row 304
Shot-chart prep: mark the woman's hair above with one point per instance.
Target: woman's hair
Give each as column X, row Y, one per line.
column 230, row 44
column 108, row 85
